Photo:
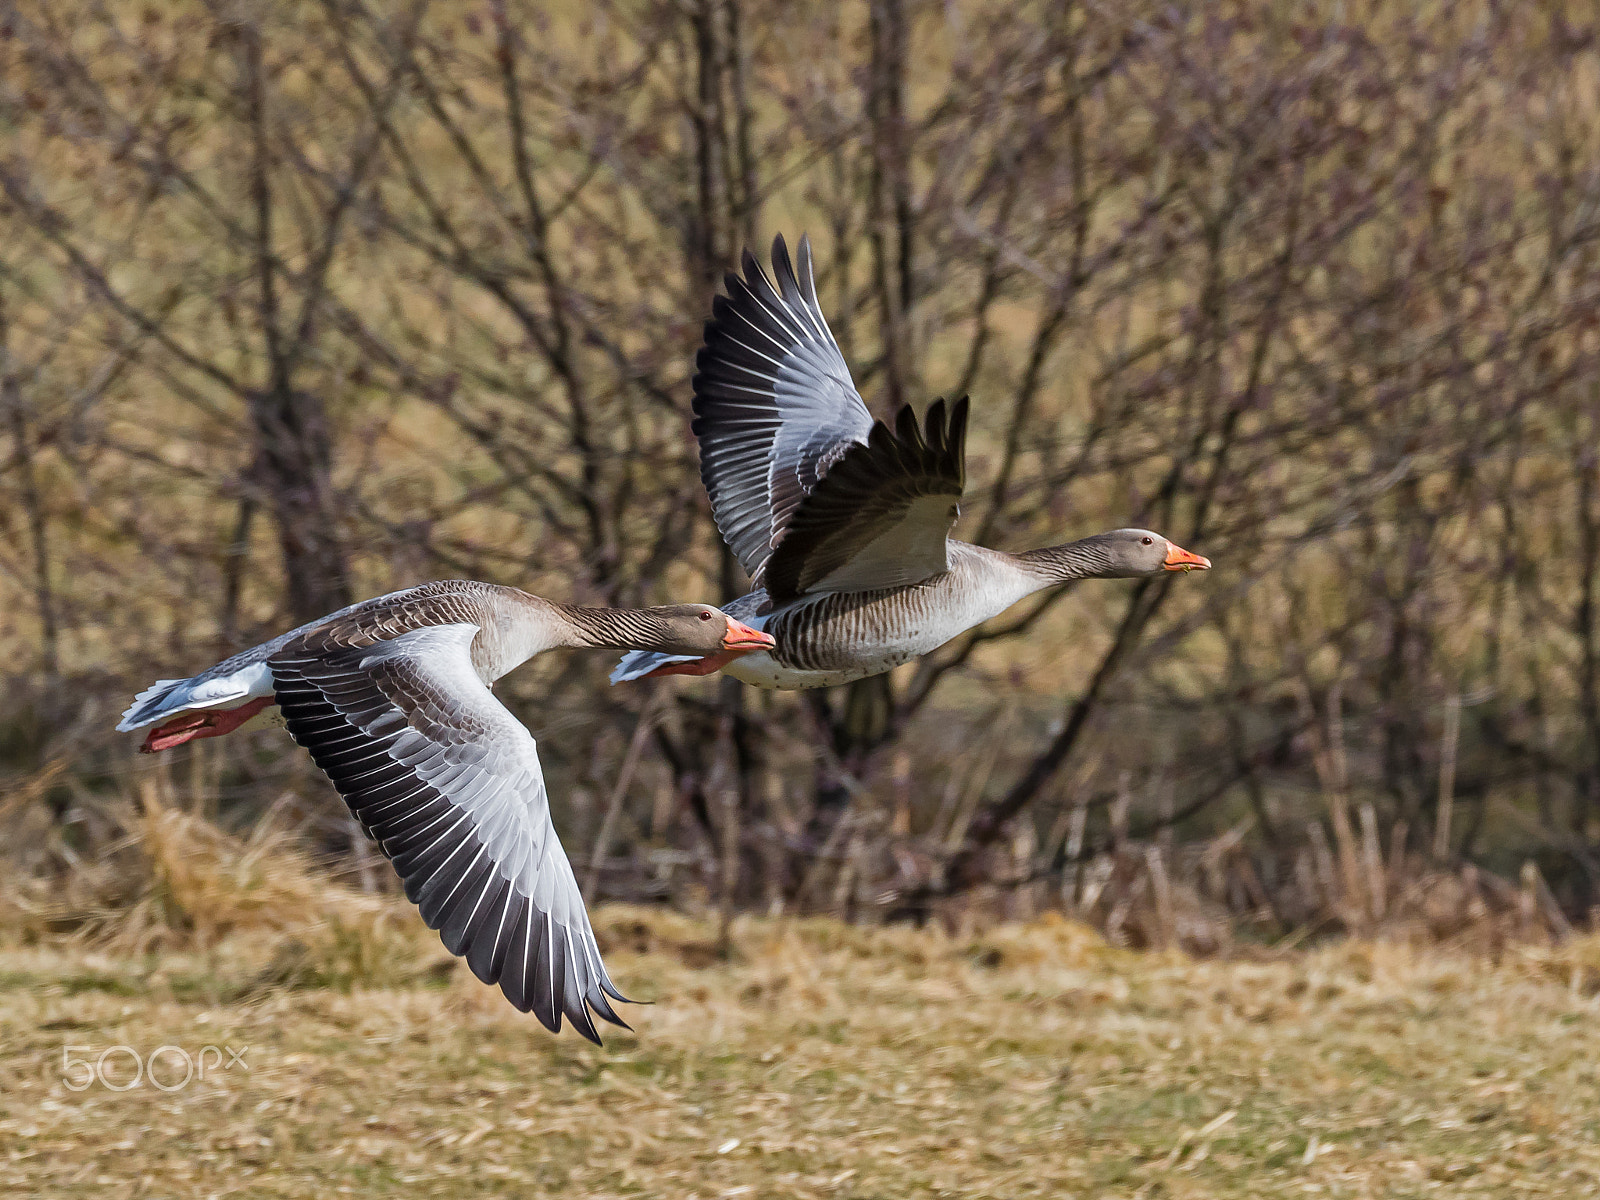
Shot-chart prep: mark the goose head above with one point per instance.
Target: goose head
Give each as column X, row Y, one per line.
column 703, row 629
column 1140, row 553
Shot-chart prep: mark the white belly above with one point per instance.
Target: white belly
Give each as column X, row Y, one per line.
column 763, row 671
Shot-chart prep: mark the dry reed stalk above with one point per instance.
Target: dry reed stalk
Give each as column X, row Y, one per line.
column 1074, row 851
column 619, row 791
column 1305, row 877
column 1119, row 811
column 1398, row 833
column 1082, row 775
column 956, row 835
column 1537, row 904
column 724, row 790
column 849, row 872
column 900, row 783
column 1322, row 858
column 1447, row 776
column 1096, row 878
column 33, row 786
column 825, row 854
column 1372, row 862
column 1328, row 758
column 1254, row 889
column 366, row 861
column 662, row 807
column 778, row 806
column 1023, row 899
column 1161, row 891
column 1528, row 898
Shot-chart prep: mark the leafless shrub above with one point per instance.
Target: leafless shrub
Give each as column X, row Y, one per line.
column 303, row 302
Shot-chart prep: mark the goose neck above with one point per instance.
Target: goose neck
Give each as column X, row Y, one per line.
column 1084, row 559
column 608, row 628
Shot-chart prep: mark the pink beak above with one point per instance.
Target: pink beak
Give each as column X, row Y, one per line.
column 741, row 639
column 1179, row 559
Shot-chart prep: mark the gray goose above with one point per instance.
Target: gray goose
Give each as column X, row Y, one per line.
column 392, row 698
column 842, row 522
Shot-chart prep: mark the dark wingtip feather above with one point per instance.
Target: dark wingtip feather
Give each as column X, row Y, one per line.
column 585, row 1025
column 573, row 1003
column 602, row 1007
column 560, row 969
column 747, row 264
column 783, row 269
column 958, row 438
column 512, row 971
column 808, row 281
column 906, row 429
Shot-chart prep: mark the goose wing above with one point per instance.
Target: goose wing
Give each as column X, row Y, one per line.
column 773, row 401
column 881, row 515
column 449, row 784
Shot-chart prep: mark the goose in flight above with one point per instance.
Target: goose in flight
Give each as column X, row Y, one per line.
column 392, row 698
column 843, row 522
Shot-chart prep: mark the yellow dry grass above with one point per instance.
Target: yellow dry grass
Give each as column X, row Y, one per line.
column 821, row 1061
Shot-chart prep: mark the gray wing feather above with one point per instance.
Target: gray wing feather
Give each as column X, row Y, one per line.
column 774, row 403
column 449, row 784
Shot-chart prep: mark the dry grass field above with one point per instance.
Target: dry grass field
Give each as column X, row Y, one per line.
column 818, row 1060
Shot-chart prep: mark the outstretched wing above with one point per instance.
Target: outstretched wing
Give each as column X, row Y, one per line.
column 449, row 784
column 773, row 401
column 880, row 516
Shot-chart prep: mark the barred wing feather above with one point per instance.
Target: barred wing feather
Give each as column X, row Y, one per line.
column 774, row 403
column 449, row 784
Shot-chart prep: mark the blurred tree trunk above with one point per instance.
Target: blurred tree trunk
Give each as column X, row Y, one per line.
column 292, row 471
column 294, row 454
column 890, row 223
column 1586, row 617
column 16, row 413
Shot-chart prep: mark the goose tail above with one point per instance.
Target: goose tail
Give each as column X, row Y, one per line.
column 636, row 664
column 150, row 705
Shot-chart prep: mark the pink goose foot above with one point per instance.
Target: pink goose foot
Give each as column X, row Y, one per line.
column 204, row 724
column 704, row 666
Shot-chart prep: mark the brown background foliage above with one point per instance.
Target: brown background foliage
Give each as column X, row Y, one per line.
column 306, row 302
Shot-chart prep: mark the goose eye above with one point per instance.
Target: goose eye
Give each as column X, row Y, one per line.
column 705, row 616
column 1144, row 541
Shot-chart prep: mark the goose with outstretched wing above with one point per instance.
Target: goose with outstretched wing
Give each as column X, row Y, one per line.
column 392, row 698
column 843, row 522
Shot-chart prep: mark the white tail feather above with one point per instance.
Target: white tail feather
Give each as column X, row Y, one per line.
column 636, row 664
column 168, row 696
column 147, row 704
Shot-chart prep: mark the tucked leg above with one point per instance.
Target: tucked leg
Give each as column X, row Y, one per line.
column 201, row 724
column 704, row 666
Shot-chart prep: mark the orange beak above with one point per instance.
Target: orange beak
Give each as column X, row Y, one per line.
column 741, row 639
column 1179, row 559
